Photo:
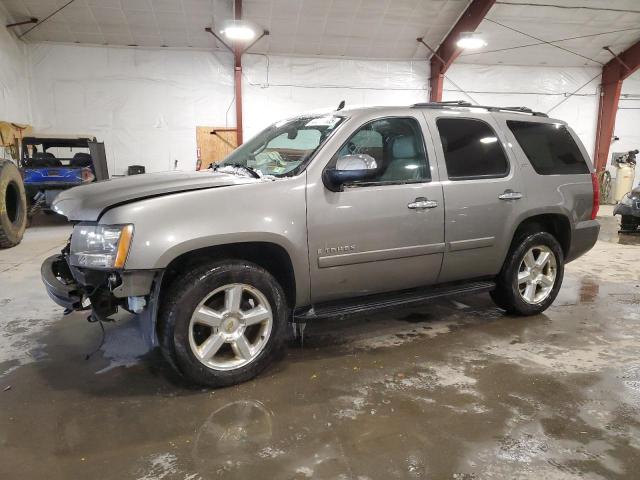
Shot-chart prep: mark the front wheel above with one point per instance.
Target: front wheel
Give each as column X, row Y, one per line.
column 224, row 323
column 531, row 276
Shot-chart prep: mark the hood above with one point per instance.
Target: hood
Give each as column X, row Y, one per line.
column 87, row 202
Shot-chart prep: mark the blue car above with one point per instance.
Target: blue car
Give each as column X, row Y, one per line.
column 50, row 165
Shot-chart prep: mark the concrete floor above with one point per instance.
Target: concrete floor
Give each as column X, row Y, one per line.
column 454, row 390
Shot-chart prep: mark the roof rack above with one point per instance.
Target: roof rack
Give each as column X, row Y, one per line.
column 463, row 104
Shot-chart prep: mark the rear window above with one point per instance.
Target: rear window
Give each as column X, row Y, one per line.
column 472, row 149
column 549, row 147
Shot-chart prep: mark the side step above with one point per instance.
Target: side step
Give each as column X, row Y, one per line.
column 376, row 303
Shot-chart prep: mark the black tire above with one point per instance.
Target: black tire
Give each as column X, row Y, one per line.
column 13, row 205
column 628, row 222
column 507, row 293
column 185, row 294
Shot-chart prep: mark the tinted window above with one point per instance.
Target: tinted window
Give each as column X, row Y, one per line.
column 396, row 145
column 549, row 147
column 471, row 149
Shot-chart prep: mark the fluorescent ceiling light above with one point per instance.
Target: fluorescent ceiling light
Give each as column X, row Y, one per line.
column 488, row 140
column 471, row 41
column 239, row 31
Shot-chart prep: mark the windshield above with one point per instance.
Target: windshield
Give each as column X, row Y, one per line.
column 283, row 147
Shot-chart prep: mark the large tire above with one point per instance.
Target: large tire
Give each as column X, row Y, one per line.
column 13, row 205
column 526, row 286
column 187, row 339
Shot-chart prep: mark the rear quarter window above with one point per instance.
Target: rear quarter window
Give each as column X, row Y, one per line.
column 550, row 148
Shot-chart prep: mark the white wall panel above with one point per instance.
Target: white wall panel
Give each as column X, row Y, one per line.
column 14, row 96
column 143, row 103
column 628, row 120
column 146, row 103
column 278, row 87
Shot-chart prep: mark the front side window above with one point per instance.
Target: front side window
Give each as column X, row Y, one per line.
column 549, row 147
column 283, row 148
column 394, row 145
column 472, row 149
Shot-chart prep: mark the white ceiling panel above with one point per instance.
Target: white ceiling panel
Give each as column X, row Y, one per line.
column 352, row 28
column 516, row 30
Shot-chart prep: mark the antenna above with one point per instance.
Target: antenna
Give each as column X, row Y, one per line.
column 341, row 106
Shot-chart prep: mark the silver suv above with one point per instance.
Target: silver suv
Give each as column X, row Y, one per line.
column 329, row 215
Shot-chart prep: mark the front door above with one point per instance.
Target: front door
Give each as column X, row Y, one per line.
column 483, row 194
column 386, row 233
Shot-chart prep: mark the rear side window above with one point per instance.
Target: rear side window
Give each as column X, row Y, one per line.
column 549, row 147
column 472, row 149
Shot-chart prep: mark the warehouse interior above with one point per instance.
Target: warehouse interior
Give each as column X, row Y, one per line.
column 452, row 389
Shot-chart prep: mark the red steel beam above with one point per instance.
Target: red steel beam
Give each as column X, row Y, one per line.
column 448, row 50
column 614, row 73
column 237, row 76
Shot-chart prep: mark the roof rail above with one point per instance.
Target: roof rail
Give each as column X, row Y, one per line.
column 463, row 104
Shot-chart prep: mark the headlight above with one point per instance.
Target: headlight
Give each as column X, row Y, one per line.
column 100, row 246
column 626, row 200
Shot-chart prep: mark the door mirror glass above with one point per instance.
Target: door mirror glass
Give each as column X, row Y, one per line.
column 350, row 168
column 360, row 161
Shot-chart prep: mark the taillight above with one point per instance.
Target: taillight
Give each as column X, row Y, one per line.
column 596, row 196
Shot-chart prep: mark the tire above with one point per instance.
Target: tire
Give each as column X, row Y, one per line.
column 186, row 342
column 628, row 222
column 538, row 290
column 13, row 205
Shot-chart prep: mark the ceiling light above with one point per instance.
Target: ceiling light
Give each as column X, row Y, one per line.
column 239, row 30
column 471, row 41
column 487, row 140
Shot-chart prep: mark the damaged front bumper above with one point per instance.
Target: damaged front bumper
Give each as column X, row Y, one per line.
column 103, row 292
column 57, row 279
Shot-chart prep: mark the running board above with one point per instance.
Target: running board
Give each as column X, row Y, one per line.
column 376, row 303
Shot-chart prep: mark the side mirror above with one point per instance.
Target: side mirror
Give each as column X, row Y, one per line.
column 349, row 169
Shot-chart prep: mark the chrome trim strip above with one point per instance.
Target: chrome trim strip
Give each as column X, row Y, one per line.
column 470, row 244
column 377, row 255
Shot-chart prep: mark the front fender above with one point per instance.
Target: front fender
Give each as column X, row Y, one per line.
column 171, row 225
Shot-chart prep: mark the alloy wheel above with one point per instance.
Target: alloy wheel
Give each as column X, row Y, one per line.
column 537, row 274
column 230, row 327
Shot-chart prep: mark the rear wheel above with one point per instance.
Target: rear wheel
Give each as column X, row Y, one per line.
column 13, row 205
column 531, row 276
column 223, row 323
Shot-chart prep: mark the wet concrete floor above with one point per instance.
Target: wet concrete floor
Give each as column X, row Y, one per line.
column 455, row 390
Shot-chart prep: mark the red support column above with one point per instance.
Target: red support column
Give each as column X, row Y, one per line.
column 609, row 98
column 237, row 76
column 449, row 51
column 613, row 75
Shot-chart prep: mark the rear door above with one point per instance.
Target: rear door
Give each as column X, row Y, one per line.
column 483, row 193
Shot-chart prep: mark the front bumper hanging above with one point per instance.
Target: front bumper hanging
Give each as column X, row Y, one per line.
column 59, row 282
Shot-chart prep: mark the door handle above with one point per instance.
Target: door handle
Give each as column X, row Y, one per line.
column 510, row 195
column 421, row 203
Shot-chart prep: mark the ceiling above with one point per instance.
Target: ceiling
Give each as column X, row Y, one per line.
column 549, row 20
column 350, row 28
